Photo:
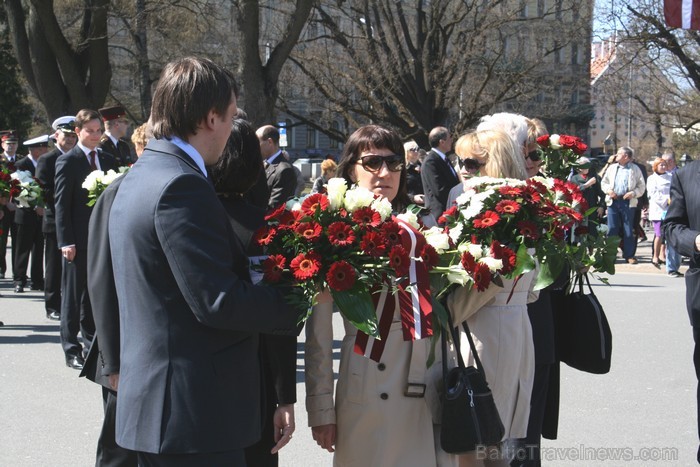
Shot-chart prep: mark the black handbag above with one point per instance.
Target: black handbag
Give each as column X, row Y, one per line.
column 469, row 414
column 584, row 336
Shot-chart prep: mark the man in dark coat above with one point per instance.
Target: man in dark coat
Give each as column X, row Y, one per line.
column 116, row 127
column 281, row 176
column 8, row 158
column 72, row 218
column 682, row 231
column 189, row 375
column 437, row 174
column 65, row 139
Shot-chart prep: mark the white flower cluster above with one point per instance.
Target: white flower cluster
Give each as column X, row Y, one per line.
column 97, row 177
column 30, row 191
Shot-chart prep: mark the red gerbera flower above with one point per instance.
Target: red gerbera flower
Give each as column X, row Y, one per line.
column 265, row 235
column 429, row 256
column 311, row 231
column 505, row 254
column 341, row 276
column 486, row 220
column 510, row 190
column 273, row 267
column 533, row 194
column 305, row 265
column 366, row 217
column 468, row 262
column 340, row 234
column 373, row 244
column 276, row 213
column 448, row 213
column 528, row 229
column 314, row 203
column 391, row 230
column 481, row 276
column 399, row 260
column 507, row 207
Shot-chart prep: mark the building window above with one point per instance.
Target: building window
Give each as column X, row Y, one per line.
column 558, row 8
column 523, row 8
column 334, row 142
column 574, row 54
column 310, row 137
column 541, row 7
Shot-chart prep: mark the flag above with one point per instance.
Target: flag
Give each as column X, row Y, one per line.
column 682, row 13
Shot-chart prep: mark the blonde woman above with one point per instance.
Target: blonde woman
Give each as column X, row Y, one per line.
column 328, row 168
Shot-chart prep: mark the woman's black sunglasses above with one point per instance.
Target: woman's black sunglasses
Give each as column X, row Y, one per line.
column 373, row 162
column 469, row 163
column 534, row 156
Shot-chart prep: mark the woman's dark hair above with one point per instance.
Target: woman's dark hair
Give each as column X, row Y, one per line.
column 373, row 136
column 188, row 89
column 241, row 163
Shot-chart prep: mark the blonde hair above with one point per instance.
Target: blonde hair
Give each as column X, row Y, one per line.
column 495, row 149
column 535, row 129
column 328, row 166
column 141, row 135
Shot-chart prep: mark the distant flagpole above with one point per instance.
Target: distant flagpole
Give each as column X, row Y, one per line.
column 683, row 14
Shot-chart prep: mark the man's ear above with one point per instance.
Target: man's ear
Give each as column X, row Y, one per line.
column 210, row 122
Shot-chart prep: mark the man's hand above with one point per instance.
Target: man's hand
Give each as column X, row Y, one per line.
column 283, row 421
column 628, row 195
column 419, row 199
column 114, row 381
column 697, row 243
column 612, row 195
column 324, row 435
column 39, row 211
column 600, row 212
column 590, row 182
column 68, row 253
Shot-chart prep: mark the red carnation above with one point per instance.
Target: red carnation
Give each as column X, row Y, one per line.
column 486, row 220
column 390, row 231
column 367, row 217
column 528, row 229
column 543, row 141
column 507, row 207
column 273, row 267
column 507, row 190
column 315, row 203
column 373, row 244
column 429, row 256
column 399, row 260
column 341, row 276
column 340, row 234
column 481, row 276
column 311, row 231
column 305, row 265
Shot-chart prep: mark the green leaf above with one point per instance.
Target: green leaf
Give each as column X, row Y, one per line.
column 357, row 307
column 524, row 262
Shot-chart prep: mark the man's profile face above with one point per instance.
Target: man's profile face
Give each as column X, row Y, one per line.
column 91, row 132
column 622, row 158
column 221, row 132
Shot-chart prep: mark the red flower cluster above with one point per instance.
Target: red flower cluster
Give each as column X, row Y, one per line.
column 9, row 187
column 560, row 153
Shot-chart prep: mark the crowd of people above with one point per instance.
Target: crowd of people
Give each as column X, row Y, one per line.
column 197, row 359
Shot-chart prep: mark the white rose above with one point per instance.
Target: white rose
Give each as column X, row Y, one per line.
column 437, row 239
column 409, row 218
column 357, row 198
column 458, row 275
column 110, row 176
column 493, row 263
column 90, row 183
column 383, row 207
column 554, row 141
column 475, row 249
column 336, row 188
column 124, row 169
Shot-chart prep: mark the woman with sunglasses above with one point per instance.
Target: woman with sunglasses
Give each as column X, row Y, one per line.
column 501, row 330
column 372, row 421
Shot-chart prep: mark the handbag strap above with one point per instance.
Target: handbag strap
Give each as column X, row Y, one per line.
column 455, row 339
column 579, row 279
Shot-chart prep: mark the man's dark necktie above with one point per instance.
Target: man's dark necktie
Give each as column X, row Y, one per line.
column 93, row 166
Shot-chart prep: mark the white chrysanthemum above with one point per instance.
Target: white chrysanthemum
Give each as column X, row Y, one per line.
column 546, row 181
column 90, row 183
column 437, row 239
column 410, row 218
column 602, row 228
column 554, row 141
column 493, row 263
column 474, row 209
column 458, row 275
column 357, row 198
column 336, row 188
column 455, row 232
column 383, row 207
column 465, row 197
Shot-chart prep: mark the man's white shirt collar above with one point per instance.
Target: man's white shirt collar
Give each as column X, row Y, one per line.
column 87, row 151
column 114, row 140
column 190, row 151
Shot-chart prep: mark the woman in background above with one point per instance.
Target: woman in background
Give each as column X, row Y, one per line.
column 659, row 191
column 328, row 168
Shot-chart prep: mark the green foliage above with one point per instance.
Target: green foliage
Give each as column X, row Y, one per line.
column 15, row 113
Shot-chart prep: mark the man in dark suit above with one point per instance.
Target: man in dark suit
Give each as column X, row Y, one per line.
column 65, row 139
column 8, row 158
column 30, row 240
column 189, row 376
column 281, row 176
column 682, row 231
column 116, row 126
column 72, row 218
column 437, row 174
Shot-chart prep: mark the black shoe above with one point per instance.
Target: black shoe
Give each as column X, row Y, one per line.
column 75, row 361
column 19, row 288
column 675, row 274
column 38, row 286
column 53, row 316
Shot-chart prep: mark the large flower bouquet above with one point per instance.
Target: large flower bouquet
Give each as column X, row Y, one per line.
column 97, row 182
column 345, row 241
column 498, row 223
column 560, row 153
column 7, row 183
column 27, row 192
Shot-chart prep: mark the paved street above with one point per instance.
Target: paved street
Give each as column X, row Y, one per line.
column 644, row 407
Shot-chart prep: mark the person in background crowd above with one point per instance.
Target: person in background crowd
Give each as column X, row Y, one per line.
column 659, row 191
column 30, row 240
column 72, row 219
column 414, row 184
column 281, row 176
column 116, row 127
column 673, row 259
column 642, row 204
column 328, row 168
column 437, row 173
column 623, row 183
column 589, row 184
column 7, row 225
column 682, row 232
column 65, row 138
column 140, row 138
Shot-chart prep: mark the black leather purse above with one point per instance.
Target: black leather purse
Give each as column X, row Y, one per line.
column 469, row 414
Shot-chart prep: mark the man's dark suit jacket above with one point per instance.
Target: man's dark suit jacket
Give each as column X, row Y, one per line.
column 438, row 179
column 281, row 181
column 189, row 370
column 26, row 215
column 682, row 226
column 46, row 172
column 72, row 211
column 121, row 152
